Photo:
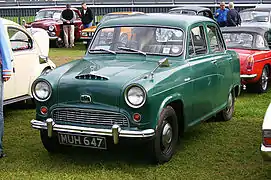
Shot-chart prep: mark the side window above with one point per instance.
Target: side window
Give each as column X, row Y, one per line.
column 197, row 43
column 216, row 43
column 19, row 40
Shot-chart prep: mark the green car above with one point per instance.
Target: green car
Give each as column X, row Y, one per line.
column 148, row 78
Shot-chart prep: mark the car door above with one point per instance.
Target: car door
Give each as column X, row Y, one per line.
column 9, row 90
column 203, row 73
column 223, row 62
column 25, row 59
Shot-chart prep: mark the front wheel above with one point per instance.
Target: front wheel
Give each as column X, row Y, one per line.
column 164, row 144
column 227, row 113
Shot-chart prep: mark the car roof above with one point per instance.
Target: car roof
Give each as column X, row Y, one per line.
column 6, row 22
column 194, row 8
column 57, row 8
column 127, row 12
column 257, row 30
column 257, row 9
column 159, row 19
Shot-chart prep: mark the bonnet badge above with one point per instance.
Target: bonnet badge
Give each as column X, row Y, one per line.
column 85, row 99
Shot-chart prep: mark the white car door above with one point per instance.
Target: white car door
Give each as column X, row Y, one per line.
column 25, row 59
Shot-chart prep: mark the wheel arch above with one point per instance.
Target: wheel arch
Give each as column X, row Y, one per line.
column 177, row 103
column 236, row 90
column 269, row 68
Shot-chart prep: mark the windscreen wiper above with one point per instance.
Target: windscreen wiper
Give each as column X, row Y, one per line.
column 102, row 49
column 133, row 50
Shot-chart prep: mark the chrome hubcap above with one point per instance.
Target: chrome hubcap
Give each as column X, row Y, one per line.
column 264, row 79
column 167, row 135
column 229, row 105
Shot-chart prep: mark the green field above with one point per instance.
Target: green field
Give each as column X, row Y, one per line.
column 212, row 150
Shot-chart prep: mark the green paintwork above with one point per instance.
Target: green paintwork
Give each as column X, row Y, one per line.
column 201, row 97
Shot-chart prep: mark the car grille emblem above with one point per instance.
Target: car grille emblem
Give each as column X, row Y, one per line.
column 85, row 99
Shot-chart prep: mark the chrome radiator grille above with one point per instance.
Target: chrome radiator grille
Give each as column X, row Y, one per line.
column 90, row 117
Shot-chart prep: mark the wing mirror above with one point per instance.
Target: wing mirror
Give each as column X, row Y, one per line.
column 43, row 59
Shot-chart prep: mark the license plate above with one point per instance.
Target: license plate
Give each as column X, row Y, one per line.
column 85, row 42
column 82, row 140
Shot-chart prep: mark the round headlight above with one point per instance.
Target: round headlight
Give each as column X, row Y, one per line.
column 51, row 28
column 135, row 96
column 42, row 91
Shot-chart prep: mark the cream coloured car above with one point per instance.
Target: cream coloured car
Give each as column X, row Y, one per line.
column 30, row 48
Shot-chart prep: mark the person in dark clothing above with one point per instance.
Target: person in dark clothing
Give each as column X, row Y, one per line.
column 233, row 17
column 87, row 15
column 68, row 18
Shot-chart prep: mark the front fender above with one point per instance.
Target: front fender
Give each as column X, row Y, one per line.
column 165, row 102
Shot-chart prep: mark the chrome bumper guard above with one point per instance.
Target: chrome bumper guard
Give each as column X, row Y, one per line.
column 248, row 76
column 115, row 130
column 266, row 153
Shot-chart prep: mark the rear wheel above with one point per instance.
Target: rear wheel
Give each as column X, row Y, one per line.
column 262, row 85
column 164, row 144
column 227, row 113
column 59, row 43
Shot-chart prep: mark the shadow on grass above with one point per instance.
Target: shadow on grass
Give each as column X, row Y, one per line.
column 126, row 152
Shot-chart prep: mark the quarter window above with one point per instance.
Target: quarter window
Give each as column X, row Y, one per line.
column 197, row 42
column 19, row 40
column 216, row 44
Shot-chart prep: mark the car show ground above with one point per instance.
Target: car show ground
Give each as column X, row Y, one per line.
column 212, row 150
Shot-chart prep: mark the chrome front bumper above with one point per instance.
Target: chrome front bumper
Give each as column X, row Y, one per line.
column 248, row 76
column 266, row 153
column 115, row 130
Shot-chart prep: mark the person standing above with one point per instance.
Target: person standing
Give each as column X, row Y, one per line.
column 87, row 16
column 5, row 69
column 221, row 15
column 68, row 18
column 233, row 17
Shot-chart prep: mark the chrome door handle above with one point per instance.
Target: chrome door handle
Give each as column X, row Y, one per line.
column 187, row 79
column 213, row 61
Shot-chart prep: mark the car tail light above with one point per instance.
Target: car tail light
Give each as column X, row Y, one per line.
column 137, row 117
column 250, row 63
column 267, row 137
column 43, row 110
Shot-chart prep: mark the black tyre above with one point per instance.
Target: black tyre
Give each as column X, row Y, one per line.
column 227, row 113
column 50, row 144
column 164, row 144
column 59, row 43
column 262, row 85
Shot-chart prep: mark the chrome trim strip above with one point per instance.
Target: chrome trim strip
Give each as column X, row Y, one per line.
column 85, row 38
column 248, row 76
column 114, row 131
column 52, row 38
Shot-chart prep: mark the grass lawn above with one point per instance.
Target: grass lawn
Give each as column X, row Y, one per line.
column 212, row 150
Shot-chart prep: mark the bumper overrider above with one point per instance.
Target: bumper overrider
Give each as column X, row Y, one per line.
column 266, row 153
column 115, row 130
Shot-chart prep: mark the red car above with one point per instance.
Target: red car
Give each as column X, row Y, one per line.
column 254, row 53
column 49, row 19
